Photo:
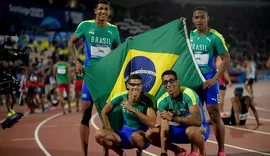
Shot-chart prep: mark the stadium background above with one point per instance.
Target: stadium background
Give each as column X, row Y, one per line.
column 47, row 25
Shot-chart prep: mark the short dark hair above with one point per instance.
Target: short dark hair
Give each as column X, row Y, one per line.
column 201, row 8
column 134, row 76
column 62, row 57
column 102, row 2
column 169, row 72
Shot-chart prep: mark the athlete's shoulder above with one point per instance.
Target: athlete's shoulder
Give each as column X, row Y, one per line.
column 86, row 22
column 163, row 97
column 192, row 32
column 111, row 25
column 187, row 91
column 119, row 94
column 215, row 33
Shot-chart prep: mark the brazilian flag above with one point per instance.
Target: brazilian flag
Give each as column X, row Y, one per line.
column 149, row 55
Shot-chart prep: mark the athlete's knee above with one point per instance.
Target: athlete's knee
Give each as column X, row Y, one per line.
column 152, row 133
column 214, row 113
column 86, row 105
column 87, row 113
column 191, row 131
column 137, row 139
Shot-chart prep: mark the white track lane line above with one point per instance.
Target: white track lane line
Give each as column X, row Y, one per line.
column 240, row 148
column 37, row 130
column 23, row 139
column 261, row 119
column 248, row 130
column 210, row 141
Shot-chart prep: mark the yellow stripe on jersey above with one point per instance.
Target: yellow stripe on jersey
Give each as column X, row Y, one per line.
column 165, row 95
column 119, row 94
column 220, row 37
column 111, row 25
column 89, row 21
column 194, row 30
column 191, row 94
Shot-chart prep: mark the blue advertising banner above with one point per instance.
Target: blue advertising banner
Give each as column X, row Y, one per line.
column 44, row 16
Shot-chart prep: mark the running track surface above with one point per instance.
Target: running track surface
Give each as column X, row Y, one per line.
column 52, row 133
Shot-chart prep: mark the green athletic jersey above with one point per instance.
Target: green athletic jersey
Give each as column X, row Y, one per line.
column 206, row 47
column 130, row 119
column 180, row 105
column 62, row 73
column 98, row 41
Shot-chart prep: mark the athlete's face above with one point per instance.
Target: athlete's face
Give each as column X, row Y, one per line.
column 102, row 12
column 135, row 87
column 170, row 83
column 200, row 19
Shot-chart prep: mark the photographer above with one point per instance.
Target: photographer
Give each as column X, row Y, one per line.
column 9, row 97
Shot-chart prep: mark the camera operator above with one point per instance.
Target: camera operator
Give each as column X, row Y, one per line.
column 9, row 98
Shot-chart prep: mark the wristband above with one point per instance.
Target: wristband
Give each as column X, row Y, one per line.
column 163, row 154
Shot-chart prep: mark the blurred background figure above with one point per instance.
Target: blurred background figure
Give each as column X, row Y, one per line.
column 250, row 75
column 223, row 82
column 239, row 111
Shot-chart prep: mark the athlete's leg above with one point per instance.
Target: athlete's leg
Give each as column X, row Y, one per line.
column 109, row 139
column 247, row 87
column 251, row 89
column 6, row 101
column 153, row 137
column 30, row 99
column 195, row 135
column 138, row 141
column 39, row 98
column 87, row 106
column 61, row 97
column 67, row 87
column 77, row 96
column 14, row 100
column 222, row 93
column 212, row 104
column 214, row 113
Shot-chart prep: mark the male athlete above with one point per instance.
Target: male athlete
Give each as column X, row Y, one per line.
column 100, row 37
column 207, row 44
column 189, row 124
column 61, row 71
column 139, row 114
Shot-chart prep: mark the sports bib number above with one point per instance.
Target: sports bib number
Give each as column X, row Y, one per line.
column 201, row 59
column 61, row 71
column 243, row 116
column 100, row 50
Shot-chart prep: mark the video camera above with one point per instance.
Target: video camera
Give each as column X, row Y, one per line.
column 15, row 54
column 8, row 82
